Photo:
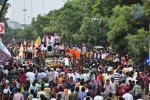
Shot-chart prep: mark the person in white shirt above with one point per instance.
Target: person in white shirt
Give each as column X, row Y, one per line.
column 135, row 74
column 98, row 97
column 73, row 76
column 110, row 68
column 50, row 76
column 113, row 86
column 52, row 41
column 116, row 60
column 85, row 76
column 66, row 61
column 104, row 55
column 127, row 96
column 43, row 47
column 47, row 42
column 43, row 74
column 56, row 73
column 31, row 76
column 130, row 69
column 5, row 71
column 129, row 78
column 57, row 39
column 79, row 75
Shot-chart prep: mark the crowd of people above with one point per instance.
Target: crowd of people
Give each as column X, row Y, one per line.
column 98, row 75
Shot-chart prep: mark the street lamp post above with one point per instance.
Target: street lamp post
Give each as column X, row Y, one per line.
column 43, row 7
column 31, row 10
column 149, row 39
column 98, row 20
column 24, row 16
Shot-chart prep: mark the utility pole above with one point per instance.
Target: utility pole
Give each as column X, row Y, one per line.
column 31, row 10
column 13, row 10
column 43, row 7
column 149, row 38
column 24, row 14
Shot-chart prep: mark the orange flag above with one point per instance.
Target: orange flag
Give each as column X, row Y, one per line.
column 72, row 51
column 77, row 53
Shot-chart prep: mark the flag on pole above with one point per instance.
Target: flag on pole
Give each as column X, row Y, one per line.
column 38, row 40
column 72, row 51
column 77, row 53
column 21, row 51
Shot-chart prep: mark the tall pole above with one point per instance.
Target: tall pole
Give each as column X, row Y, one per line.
column 13, row 10
column 31, row 10
column 24, row 14
column 43, row 7
column 14, row 15
column 149, row 39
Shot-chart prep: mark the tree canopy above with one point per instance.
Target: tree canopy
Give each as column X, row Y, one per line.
column 115, row 23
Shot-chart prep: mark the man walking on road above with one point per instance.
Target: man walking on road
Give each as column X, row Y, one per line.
column 18, row 95
column 127, row 96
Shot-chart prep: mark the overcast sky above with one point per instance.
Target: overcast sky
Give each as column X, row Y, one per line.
column 17, row 13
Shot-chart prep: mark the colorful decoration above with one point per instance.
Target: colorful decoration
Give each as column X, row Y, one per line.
column 73, row 52
column 38, row 40
column 21, row 50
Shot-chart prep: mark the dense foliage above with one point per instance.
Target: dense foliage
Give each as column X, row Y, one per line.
column 97, row 22
column 3, row 18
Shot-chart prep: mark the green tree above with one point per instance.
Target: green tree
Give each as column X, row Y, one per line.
column 27, row 33
column 87, row 30
column 3, row 18
column 39, row 23
column 137, row 45
column 118, row 25
column 104, row 7
column 71, row 18
column 125, row 31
